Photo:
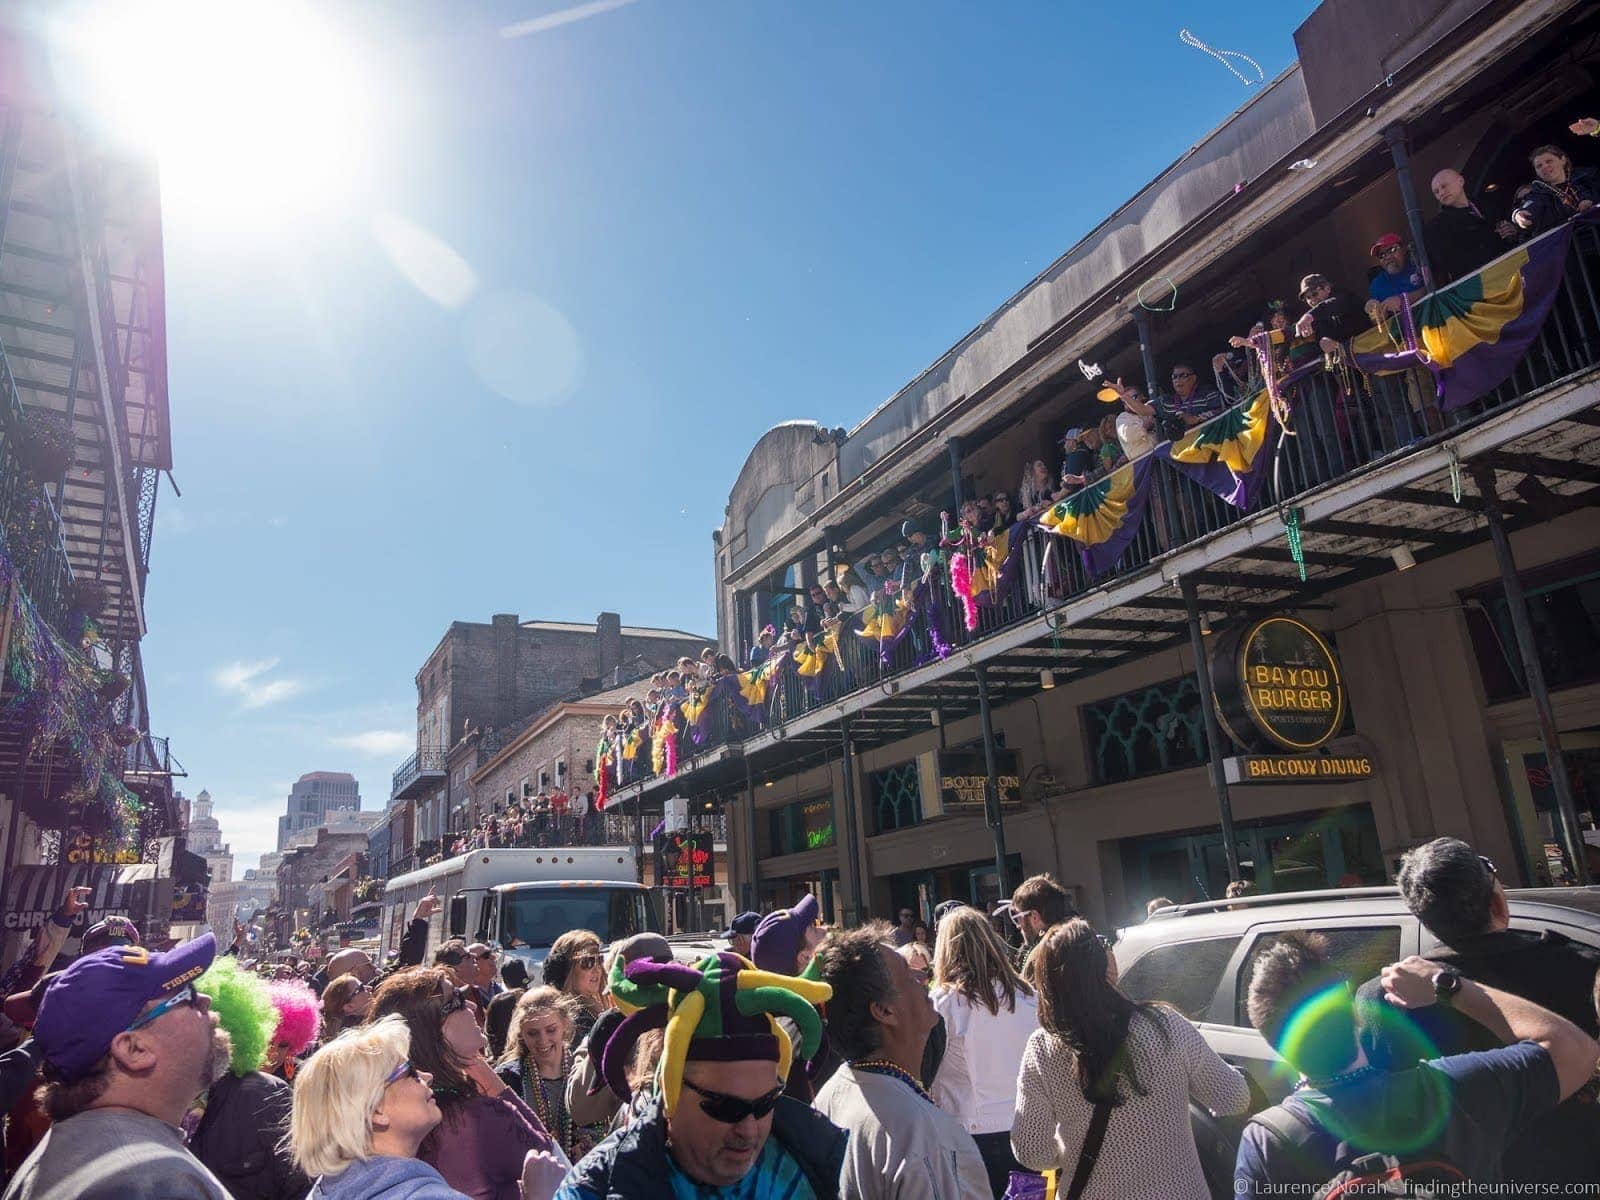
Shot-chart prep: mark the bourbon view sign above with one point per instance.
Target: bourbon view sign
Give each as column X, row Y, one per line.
column 1277, row 686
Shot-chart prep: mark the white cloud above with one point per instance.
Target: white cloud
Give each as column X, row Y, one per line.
column 378, row 743
column 565, row 16
column 429, row 263
column 246, row 681
column 250, row 827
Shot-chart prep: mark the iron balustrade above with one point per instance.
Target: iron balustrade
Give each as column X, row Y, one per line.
column 431, row 759
column 1342, row 421
column 43, row 570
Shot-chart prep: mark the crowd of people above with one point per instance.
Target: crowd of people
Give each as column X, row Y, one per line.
column 876, row 1062
column 544, row 818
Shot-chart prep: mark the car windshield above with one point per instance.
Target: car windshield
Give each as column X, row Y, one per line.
column 535, row 918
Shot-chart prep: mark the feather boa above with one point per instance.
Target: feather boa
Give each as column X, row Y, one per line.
column 671, row 740
column 961, row 580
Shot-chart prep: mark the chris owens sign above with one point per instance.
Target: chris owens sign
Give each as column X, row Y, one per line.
column 1277, row 686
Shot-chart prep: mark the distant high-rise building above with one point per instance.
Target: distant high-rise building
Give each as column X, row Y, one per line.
column 315, row 795
column 205, row 839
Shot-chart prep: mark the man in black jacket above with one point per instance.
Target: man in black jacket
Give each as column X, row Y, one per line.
column 1462, row 237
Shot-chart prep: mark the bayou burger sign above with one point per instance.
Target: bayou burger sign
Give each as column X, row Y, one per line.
column 1277, row 686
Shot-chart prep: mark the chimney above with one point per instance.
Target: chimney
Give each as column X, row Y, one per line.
column 506, row 647
column 608, row 642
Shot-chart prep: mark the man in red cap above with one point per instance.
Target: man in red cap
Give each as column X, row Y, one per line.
column 1399, row 277
column 127, row 1043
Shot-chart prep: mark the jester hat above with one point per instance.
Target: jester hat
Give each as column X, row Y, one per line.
column 722, row 1009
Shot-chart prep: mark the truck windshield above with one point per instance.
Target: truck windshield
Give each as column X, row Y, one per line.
column 538, row 916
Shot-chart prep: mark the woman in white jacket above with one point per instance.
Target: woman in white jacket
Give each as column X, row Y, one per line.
column 988, row 1014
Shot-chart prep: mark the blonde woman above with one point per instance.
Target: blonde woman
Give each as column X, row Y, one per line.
column 360, row 1112
column 574, row 966
column 345, row 1002
column 988, row 1014
column 538, row 1062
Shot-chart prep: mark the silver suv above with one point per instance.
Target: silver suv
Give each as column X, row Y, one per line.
column 1198, row 958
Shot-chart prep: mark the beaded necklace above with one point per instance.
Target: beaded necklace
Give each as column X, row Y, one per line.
column 882, row 1066
column 554, row 1117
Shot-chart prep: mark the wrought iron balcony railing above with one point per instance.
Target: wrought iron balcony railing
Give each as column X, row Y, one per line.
column 428, row 762
column 29, row 522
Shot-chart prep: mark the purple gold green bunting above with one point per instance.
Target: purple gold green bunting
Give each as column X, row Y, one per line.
column 1473, row 333
column 1231, row 454
column 1104, row 517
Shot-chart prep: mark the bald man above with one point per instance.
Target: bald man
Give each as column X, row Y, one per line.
column 346, row 962
column 1463, row 236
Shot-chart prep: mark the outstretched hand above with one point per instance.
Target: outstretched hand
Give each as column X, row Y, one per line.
column 542, row 1173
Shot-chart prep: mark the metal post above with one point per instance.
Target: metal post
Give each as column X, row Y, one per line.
column 690, row 915
column 638, row 835
column 752, row 885
column 847, row 771
column 953, row 445
column 1533, row 671
column 1208, row 707
column 1400, row 151
column 991, row 792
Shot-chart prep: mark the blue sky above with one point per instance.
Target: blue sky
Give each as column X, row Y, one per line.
column 511, row 355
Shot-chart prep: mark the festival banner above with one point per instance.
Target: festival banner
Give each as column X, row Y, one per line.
column 1231, row 454
column 1472, row 334
column 750, row 688
column 1104, row 516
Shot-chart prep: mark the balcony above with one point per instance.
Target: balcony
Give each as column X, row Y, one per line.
column 423, row 770
column 31, row 525
column 1367, row 469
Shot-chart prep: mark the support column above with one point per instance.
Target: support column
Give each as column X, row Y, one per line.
column 750, row 887
column 1208, row 707
column 638, row 835
column 1400, row 151
column 858, row 881
column 953, row 445
column 1533, row 672
column 992, row 815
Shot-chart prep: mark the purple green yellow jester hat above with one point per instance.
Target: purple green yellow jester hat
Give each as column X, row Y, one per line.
column 722, row 1009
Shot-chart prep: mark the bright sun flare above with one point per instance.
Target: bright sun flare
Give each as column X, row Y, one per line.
column 256, row 111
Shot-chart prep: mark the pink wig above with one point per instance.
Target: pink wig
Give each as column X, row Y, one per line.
column 298, row 1013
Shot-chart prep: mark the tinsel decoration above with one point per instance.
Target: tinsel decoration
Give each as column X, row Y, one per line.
column 961, row 584
column 1291, row 527
column 58, row 698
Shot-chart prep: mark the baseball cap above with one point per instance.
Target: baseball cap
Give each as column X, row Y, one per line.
column 779, row 936
column 101, row 994
column 1072, row 435
column 1387, row 240
column 908, row 527
column 744, row 923
column 113, row 931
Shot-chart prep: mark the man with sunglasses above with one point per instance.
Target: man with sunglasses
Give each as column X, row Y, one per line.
column 127, row 1044
column 729, row 1132
column 1457, row 895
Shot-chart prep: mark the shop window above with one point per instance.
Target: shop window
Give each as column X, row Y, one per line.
column 1155, row 729
column 803, row 825
column 1183, row 974
column 1564, row 609
column 896, row 797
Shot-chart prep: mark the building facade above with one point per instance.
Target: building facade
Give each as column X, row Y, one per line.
column 483, row 683
column 1424, row 544
column 205, row 839
column 314, row 797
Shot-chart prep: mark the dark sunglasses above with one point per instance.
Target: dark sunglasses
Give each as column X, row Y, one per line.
column 1488, row 865
column 586, row 962
column 404, row 1071
column 454, row 1002
column 730, row 1110
column 1183, row 374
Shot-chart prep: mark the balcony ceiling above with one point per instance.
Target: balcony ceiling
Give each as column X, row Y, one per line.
column 107, row 500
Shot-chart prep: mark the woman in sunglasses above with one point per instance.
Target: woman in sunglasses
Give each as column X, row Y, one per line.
column 574, row 966
column 296, row 1031
column 361, row 1109
column 486, row 1131
column 344, row 1002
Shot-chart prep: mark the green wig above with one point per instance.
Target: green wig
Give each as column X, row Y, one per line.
column 244, row 1008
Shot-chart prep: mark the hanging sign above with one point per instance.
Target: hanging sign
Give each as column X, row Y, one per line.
column 1277, row 686
column 1297, row 768
column 682, row 856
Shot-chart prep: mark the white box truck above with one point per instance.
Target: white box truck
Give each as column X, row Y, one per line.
column 521, row 901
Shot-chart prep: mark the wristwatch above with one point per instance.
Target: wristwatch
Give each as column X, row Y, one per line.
column 1446, row 985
